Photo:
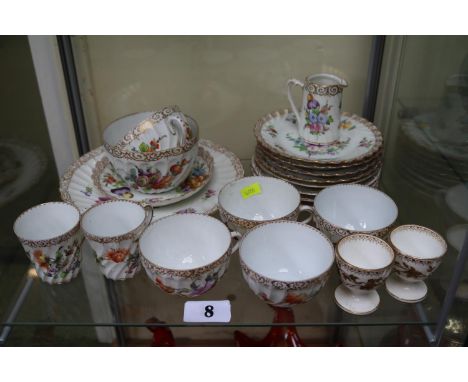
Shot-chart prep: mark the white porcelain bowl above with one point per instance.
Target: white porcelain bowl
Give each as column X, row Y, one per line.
column 186, row 254
column 285, row 263
column 277, row 200
column 152, row 152
column 342, row 210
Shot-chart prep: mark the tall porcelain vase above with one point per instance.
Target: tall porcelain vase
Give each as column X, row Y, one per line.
column 318, row 119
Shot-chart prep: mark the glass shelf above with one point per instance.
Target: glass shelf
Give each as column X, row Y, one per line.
column 139, row 299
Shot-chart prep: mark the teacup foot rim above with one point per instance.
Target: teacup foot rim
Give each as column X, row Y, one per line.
column 404, row 291
column 366, row 304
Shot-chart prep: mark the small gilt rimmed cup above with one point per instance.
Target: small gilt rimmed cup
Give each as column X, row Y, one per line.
column 346, row 209
column 285, row 263
column 50, row 235
column 187, row 254
column 275, row 199
column 364, row 263
column 112, row 229
column 419, row 252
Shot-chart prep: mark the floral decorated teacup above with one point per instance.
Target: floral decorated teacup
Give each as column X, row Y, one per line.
column 346, row 209
column 112, row 229
column 285, row 263
column 186, row 254
column 50, row 235
column 419, row 252
column 273, row 199
column 364, row 263
column 152, row 152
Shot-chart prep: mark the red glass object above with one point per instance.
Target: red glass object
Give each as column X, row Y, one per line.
column 278, row 335
column 161, row 336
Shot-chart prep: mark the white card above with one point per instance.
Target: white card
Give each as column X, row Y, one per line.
column 207, row 311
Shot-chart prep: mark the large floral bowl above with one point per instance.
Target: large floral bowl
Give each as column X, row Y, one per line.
column 186, row 254
column 285, row 263
column 153, row 152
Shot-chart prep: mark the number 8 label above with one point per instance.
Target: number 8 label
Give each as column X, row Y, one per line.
column 207, row 311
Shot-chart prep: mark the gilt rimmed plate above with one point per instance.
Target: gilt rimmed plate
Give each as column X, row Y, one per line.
column 308, row 191
column 359, row 140
column 314, row 171
column 316, row 180
column 305, row 183
column 107, row 181
column 77, row 187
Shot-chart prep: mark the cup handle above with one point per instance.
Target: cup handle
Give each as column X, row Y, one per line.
column 294, row 82
column 238, row 236
column 147, row 219
column 178, row 124
column 308, row 209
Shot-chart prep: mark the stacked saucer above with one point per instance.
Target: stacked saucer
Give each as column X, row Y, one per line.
column 282, row 153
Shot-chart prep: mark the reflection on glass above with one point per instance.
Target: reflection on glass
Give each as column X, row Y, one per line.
column 426, row 166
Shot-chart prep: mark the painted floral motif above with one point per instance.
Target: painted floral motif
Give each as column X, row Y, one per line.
column 153, row 146
column 200, row 173
column 312, row 149
column 271, row 131
column 296, row 298
column 57, row 266
column 187, row 211
column 318, row 120
column 347, row 125
column 117, row 255
column 87, row 191
column 197, row 287
column 365, row 142
column 148, row 180
column 208, row 194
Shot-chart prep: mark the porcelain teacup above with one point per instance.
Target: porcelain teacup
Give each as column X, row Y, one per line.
column 50, row 235
column 364, row 263
column 419, row 252
column 318, row 120
column 152, row 152
column 273, row 199
column 285, row 263
column 186, row 254
column 112, row 229
column 344, row 209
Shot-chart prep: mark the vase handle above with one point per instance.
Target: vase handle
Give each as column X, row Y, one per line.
column 294, row 82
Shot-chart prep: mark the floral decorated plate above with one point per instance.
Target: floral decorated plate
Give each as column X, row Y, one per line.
column 77, row 187
column 359, row 140
column 107, row 181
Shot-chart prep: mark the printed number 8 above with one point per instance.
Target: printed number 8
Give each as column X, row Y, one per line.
column 209, row 311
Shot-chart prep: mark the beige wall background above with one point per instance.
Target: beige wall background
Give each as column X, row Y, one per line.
column 225, row 82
